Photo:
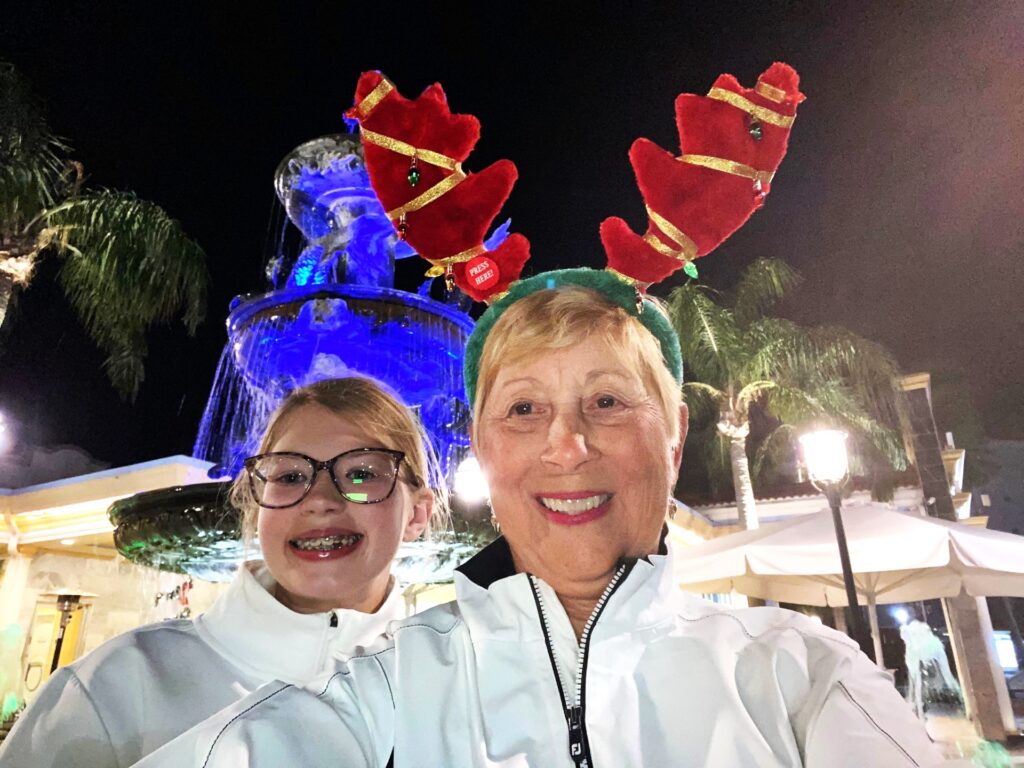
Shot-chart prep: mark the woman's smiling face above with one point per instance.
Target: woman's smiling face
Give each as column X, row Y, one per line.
column 356, row 572
column 580, row 461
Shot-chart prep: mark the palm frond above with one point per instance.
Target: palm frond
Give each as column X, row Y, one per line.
column 703, row 401
column 867, row 367
column 707, row 334
column 31, row 155
column 794, row 405
column 751, row 393
column 775, row 450
column 761, row 285
column 767, row 344
column 127, row 265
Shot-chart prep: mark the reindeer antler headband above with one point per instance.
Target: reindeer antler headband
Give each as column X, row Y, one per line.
column 731, row 142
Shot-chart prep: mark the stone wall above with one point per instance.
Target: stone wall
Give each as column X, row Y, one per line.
column 124, row 593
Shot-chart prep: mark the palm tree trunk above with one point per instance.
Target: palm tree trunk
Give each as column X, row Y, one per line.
column 6, row 291
column 745, row 504
column 746, row 507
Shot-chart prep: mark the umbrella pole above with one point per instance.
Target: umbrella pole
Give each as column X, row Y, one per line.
column 876, row 634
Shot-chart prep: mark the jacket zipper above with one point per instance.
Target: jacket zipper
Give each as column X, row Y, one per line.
column 579, row 745
column 334, row 619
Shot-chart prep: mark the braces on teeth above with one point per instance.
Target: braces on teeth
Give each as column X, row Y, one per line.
column 326, row 542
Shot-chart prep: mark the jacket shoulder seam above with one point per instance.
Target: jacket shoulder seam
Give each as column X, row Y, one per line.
column 455, row 624
column 339, row 673
column 743, row 627
column 870, row 719
column 245, row 711
column 390, row 648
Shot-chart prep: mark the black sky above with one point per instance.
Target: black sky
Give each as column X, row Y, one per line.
column 900, row 201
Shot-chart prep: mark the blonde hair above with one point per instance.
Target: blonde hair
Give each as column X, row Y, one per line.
column 375, row 410
column 558, row 318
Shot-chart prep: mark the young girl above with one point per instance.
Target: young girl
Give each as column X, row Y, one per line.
column 341, row 477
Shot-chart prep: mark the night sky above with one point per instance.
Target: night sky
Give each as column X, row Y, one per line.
column 901, row 199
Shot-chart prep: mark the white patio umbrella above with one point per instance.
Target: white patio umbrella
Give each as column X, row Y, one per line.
column 895, row 556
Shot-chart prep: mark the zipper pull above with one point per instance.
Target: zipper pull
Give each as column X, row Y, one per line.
column 334, row 619
column 576, row 736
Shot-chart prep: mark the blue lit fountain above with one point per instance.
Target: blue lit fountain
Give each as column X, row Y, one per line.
column 331, row 311
column 335, row 311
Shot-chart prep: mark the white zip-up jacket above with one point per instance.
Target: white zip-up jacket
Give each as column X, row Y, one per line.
column 664, row 679
column 141, row 689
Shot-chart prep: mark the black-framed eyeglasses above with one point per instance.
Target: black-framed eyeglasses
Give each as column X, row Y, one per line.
column 362, row 476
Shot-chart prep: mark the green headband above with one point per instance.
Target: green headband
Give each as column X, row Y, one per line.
column 613, row 288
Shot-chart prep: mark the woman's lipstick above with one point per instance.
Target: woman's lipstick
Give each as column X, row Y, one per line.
column 575, row 507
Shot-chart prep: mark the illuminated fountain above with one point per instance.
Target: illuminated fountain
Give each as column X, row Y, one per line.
column 334, row 311
column 331, row 311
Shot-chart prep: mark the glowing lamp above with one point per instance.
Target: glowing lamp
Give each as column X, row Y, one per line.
column 470, row 484
column 825, row 456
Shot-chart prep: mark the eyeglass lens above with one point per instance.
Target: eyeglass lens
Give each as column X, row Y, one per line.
column 364, row 477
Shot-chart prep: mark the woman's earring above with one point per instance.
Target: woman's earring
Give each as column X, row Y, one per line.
column 494, row 523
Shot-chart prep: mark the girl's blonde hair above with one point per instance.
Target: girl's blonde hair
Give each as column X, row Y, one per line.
column 558, row 318
column 375, row 410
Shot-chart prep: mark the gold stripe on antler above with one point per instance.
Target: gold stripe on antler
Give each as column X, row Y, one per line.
column 402, row 148
column 447, row 184
column 761, row 113
column 728, row 166
column 488, row 300
column 632, row 282
column 374, row 97
column 687, row 248
column 770, row 92
column 467, row 255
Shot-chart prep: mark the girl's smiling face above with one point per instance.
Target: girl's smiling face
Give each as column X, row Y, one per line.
column 355, row 575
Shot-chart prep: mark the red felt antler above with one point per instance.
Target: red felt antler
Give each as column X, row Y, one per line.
column 414, row 152
column 731, row 142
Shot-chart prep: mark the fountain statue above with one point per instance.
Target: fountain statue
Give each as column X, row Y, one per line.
column 927, row 665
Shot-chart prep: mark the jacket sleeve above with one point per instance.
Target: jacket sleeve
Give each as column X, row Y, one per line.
column 61, row 727
column 863, row 723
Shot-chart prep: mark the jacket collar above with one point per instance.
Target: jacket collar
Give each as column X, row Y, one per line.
column 495, row 561
column 249, row 627
column 491, row 563
column 497, row 601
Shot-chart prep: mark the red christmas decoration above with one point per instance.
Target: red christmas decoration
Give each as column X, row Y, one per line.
column 731, row 142
column 414, row 151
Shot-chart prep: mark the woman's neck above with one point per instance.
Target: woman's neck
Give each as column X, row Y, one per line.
column 578, row 610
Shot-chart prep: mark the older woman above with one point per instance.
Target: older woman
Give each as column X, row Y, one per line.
column 569, row 643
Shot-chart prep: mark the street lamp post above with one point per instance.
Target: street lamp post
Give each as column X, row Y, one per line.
column 828, row 466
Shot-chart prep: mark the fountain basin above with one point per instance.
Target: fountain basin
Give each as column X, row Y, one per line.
column 189, row 529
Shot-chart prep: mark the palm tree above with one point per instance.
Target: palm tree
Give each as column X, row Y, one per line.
column 742, row 363
column 125, row 264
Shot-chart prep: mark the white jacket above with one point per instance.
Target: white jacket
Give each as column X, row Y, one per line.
column 667, row 680
column 143, row 688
